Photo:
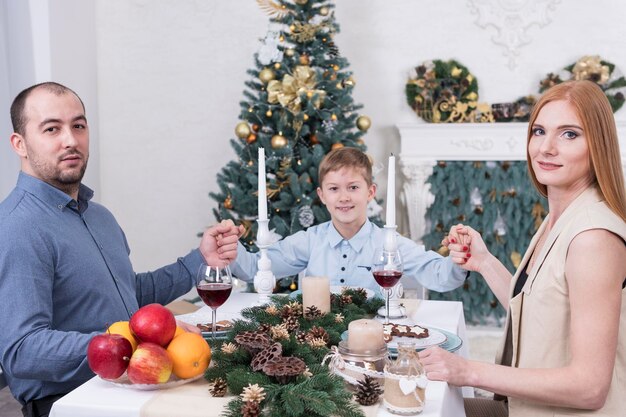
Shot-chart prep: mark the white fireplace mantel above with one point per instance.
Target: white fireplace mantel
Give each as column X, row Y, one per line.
column 423, row 144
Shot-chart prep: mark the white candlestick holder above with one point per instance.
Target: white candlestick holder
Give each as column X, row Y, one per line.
column 264, row 280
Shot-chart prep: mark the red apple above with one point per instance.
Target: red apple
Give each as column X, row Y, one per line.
column 108, row 355
column 153, row 323
column 150, row 364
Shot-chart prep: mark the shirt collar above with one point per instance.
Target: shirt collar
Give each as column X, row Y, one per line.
column 357, row 242
column 51, row 195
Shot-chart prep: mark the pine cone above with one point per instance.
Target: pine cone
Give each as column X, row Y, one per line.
column 317, row 332
column 264, row 328
column 368, row 391
column 250, row 409
column 345, row 299
column 291, row 323
column 253, row 393
column 312, row 312
column 301, row 336
column 219, row 387
column 291, row 310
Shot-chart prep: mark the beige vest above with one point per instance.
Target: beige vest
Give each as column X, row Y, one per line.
column 539, row 316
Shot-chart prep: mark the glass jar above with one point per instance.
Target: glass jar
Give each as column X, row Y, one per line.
column 405, row 382
column 353, row 366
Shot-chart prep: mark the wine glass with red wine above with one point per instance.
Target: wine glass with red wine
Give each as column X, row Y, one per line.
column 214, row 287
column 387, row 269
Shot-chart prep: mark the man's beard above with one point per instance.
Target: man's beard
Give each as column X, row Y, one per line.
column 67, row 180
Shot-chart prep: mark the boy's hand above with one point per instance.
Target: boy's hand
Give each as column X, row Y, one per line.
column 219, row 243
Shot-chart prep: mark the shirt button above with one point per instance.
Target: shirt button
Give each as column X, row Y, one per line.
column 342, row 280
column 60, row 206
column 343, row 268
column 345, row 256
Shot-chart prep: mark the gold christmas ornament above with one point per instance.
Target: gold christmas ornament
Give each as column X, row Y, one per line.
column 268, row 113
column 281, row 38
column 333, row 117
column 277, row 65
column 266, row 75
column 336, row 67
column 349, row 82
column 305, row 117
column 337, row 145
column 304, row 59
column 293, row 286
column 324, row 11
column 363, row 123
column 228, row 203
column 290, row 52
column 300, row 2
column 255, row 127
column 339, row 86
column 242, row 130
column 292, row 28
column 278, row 141
column 251, row 138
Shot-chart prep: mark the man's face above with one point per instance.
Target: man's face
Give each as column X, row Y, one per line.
column 55, row 144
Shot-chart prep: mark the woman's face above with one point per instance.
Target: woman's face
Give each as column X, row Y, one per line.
column 558, row 148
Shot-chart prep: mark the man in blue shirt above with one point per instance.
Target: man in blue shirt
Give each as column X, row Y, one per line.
column 343, row 249
column 65, row 271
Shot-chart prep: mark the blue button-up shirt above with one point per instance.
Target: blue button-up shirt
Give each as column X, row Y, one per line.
column 65, row 274
column 322, row 251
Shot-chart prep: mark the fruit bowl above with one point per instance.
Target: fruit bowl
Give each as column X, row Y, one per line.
column 174, row 381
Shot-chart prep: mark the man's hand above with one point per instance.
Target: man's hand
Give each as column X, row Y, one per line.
column 219, row 243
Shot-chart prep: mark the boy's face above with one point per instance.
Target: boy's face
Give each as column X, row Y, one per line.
column 346, row 194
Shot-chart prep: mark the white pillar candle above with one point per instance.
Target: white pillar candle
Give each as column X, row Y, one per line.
column 364, row 335
column 391, row 192
column 316, row 292
column 262, row 200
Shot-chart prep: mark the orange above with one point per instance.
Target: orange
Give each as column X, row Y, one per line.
column 123, row 328
column 190, row 353
column 179, row 330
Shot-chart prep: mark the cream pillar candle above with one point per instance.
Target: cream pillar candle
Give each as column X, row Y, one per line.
column 364, row 335
column 316, row 292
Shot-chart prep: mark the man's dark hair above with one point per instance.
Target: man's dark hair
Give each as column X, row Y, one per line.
column 18, row 118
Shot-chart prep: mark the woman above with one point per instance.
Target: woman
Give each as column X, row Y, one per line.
column 564, row 350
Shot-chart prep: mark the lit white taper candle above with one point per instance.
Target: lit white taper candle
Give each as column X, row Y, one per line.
column 262, row 202
column 391, row 192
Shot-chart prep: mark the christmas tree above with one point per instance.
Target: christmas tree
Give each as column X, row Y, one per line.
column 298, row 106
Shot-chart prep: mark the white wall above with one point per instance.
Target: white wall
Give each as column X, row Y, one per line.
column 170, row 75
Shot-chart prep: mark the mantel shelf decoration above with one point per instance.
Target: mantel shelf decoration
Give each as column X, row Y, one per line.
column 476, row 185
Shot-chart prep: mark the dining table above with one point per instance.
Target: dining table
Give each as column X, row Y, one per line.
column 101, row 398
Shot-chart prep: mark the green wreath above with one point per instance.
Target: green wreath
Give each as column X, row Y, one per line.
column 593, row 68
column 442, row 91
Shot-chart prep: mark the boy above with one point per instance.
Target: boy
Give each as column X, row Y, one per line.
column 343, row 248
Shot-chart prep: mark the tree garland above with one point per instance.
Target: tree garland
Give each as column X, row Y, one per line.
column 308, row 336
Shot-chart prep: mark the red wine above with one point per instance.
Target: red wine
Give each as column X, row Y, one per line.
column 214, row 295
column 387, row 279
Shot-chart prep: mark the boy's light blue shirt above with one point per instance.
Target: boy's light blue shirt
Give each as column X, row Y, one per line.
column 322, row 251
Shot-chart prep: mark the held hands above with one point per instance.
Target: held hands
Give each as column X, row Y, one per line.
column 467, row 248
column 219, row 243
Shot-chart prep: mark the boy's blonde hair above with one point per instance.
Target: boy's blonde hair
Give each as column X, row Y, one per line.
column 345, row 158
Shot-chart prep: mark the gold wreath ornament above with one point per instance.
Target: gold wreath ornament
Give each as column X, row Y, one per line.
column 591, row 68
column 288, row 91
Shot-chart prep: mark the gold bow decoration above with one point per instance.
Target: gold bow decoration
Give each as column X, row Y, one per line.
column 591, row 68
column 289, row 91
column 305, row 32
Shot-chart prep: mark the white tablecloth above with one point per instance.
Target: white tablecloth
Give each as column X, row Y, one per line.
column 98, row 398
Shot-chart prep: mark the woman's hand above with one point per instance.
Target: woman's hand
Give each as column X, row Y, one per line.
column 441, row 365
